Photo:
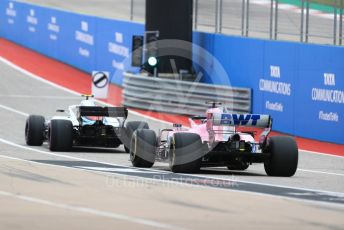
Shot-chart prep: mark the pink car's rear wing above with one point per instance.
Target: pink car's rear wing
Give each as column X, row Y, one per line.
column 249, row 120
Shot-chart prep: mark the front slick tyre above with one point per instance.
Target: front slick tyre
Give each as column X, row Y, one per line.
column 283, row 157
column 142, row 148
column 186, row 153
column 60, row 135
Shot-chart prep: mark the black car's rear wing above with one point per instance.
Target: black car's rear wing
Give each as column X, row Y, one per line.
column 102, row 111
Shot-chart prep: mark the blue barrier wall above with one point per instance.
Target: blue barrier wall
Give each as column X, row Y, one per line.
column 300, row 85
column 86, row 42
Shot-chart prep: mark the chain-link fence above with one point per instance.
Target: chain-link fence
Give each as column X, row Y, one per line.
column 314, row 21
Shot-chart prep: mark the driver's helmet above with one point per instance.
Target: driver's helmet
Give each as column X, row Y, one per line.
column 87, row 103
column 87, row 120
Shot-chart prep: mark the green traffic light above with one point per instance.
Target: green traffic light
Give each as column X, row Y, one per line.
column 152, row 61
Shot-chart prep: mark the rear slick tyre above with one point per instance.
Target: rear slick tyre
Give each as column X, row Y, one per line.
column 186, row 153
column 283, row 156
column 34, row 130
column 60, row 135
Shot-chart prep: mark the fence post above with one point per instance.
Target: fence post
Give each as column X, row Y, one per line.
column 302, row 19
column 242, row 18
column 341, row 22
column 247, row 16
column 220, row 17
column 335, row 24
column 196, row 14
column 216, row 16
column 131, row 10
column 307, row 21
column 276, row 20
column 271, row 17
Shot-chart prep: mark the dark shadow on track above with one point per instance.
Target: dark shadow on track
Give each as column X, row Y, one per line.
column 216, row 171
column 77, row 149
column 96, row 150
column 74, row 164
column 225, row 171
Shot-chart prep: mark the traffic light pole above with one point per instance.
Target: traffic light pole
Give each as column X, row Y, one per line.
column 155, row 72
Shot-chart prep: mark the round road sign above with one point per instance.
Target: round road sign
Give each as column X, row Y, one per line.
column 100, row 80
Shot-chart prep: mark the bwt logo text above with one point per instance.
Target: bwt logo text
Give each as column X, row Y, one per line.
column 236, row 119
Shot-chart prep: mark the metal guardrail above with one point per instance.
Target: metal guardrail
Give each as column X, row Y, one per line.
column 269, row 19
column 181, row 97
column 308, row 21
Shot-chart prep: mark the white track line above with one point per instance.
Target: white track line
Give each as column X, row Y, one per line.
column 38, row 78
column 321, row 172
column 90, row 211
column 40, row 97
column 14, row 110
column 321, row 154
column 68, row 157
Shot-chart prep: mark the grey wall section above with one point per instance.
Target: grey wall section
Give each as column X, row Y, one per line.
column 182, row 97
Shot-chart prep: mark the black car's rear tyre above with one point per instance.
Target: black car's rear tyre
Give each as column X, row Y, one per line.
column 142, row 148
column 186, row 152
column 129, row 129
column 34, row 130
column 60, row 135
column 283, row 156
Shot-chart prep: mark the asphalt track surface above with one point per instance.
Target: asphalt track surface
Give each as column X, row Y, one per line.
column 289, row 22
column 98, row 186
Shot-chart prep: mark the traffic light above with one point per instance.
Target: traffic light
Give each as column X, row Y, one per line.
column 152, row 61
column 151, row 52
column 136, row 50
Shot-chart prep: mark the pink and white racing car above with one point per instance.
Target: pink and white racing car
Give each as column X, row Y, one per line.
column 213, row 141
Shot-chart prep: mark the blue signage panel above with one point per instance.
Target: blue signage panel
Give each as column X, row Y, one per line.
column 277, row 84
column 68, row 37
column 77, row 42
column 11, row 20
column 114, row 40
column 319, row 99
column 300, row 85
